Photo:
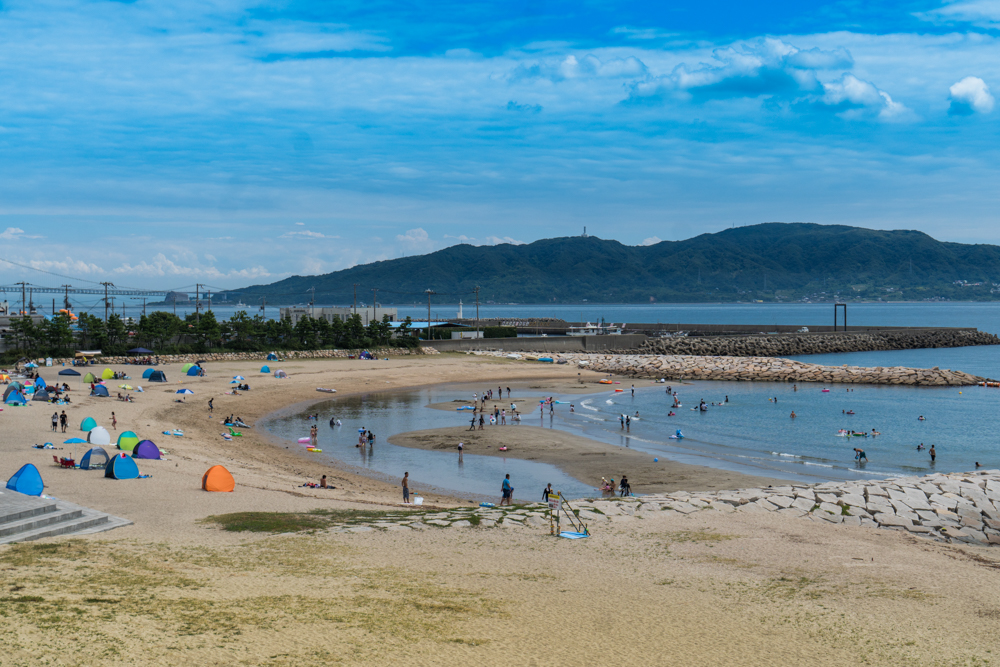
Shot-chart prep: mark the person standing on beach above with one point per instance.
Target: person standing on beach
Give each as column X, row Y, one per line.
column 55, row 421
column 313, row 435
column 933, row 454
column 406, row 487
column 210, row 406
column 628, row 423
column 508, row 392
column 633, row 391
column 546, row 492
column 114, row 421
column 506, row 490
column 461, row 447
column 63, row 421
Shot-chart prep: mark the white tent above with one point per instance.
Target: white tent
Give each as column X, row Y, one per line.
column 99, row 436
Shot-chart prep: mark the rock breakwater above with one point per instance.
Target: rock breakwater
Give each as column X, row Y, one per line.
column 764, row 369
column 783, row 345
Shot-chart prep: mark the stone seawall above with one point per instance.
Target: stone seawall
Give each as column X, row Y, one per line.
column 784, row 345
column 752, row 369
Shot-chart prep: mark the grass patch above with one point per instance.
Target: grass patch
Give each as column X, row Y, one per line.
column 845, row 511
column 297, row 522
column 24, row 598
column 475, row 520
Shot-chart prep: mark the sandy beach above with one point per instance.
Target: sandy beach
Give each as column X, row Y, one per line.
column 706, row 588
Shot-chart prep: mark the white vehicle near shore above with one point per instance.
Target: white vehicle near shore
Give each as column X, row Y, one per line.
column 804, row 330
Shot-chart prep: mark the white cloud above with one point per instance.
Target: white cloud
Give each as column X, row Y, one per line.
column 14, row 233
column 984, row 13
column 855, row 97
column 300, row 224
column 970, row 95
column 211, row 258
column 68, row 266
column 416, row 241
column 652, row 240
column 160, row 266
column 587, row 66
column 488, row 240
column 306, row 234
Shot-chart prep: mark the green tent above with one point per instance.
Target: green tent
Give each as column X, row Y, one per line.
column 88, row 424
column 127, row 441
column 89, row 377
column 186, row 367
column 108, row 374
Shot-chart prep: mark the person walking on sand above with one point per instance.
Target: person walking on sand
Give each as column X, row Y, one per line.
column 506, row 490
column 210, row 406
column 114, row 421
column 406, row 487
column 546, row 492
column 472, row 424
column 933, row 454
column 55, row 421
column 63, row 421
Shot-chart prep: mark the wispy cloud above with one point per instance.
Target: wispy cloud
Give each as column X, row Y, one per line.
column 968, row 96
column 14, row 233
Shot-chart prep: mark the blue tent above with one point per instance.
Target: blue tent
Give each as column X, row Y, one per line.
column 265, row 369
column 68, row 371
column 100, row 390
column 272, row 357
column 27, row 480
column 39, row 383
column 157, row 376
column 121, row 467
column 146, row 373
column 94, row 458
column 194, row 371
column 15, row 399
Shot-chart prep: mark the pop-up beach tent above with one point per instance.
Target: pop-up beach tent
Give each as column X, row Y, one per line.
column 157, row 376
column 16, row 398
column 94, row 458
column 41, row 395
column 194, row 371
column 27, row 480
column 217, row 478
column 265, row 369
column 272, row 357
column 11, row 389
column 99, row 436
column 146, row 373
column 186, row 367
column 146, row 450
column 68, row 371
column 89, row 377
column 87, row 424
column 121, row 467
column 127, row 441
column 40, row 382
column 107, row 374
column 280, row 374
column 100, row 390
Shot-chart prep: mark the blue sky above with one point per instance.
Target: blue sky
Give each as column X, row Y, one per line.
column 162, row 144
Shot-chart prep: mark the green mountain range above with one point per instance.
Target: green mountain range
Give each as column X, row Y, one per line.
column 768, row 262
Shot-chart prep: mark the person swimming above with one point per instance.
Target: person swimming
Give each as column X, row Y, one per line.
column 920, row 418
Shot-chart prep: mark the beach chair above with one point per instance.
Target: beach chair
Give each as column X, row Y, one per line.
column 234, row 433
column 56, row 459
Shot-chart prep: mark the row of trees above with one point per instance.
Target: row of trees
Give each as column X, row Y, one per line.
column 166, row 333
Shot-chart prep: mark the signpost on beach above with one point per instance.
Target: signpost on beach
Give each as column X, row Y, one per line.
column 555, row 504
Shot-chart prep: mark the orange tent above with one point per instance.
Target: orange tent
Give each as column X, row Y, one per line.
column 218, row 479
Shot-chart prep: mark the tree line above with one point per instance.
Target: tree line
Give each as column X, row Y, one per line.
column 166, row 333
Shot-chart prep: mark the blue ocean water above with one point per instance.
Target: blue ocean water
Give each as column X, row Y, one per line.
column 755, row 433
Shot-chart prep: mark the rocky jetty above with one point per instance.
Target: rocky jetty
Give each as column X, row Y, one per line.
column 954, row 507
column 749, row 369
column 783, row 345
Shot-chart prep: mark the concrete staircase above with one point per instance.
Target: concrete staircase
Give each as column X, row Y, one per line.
column 25, row 518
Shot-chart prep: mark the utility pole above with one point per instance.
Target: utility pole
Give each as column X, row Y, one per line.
column 477, row 305
column 143, row 304
column 197, row 303
column 175, row 304
column 375, row 304
column 429, row 292
column 23, row 296
column 356, row 298
column 66, row 297
column 106, row 286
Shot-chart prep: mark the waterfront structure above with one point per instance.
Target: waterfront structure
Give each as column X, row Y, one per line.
column 296, row 313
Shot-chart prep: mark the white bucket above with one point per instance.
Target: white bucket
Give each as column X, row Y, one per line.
column 418, row 500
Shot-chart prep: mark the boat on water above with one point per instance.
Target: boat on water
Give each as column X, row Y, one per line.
column 602, row 329
column 240, row 304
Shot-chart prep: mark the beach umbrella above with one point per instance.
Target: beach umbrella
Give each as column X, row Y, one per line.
column 239, row 377
column 184, row 391
column 124, row 386
column 233, row 382
column 74, row 441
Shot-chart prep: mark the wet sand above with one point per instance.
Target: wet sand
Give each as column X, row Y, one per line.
column 585, row 459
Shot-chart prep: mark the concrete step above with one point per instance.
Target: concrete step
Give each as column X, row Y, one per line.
column 14, row 509
column 38, row 521
column 63, row 528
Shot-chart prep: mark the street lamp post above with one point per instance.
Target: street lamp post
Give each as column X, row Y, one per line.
column 429, row 292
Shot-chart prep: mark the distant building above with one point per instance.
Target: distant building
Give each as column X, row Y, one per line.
column 330, row 314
